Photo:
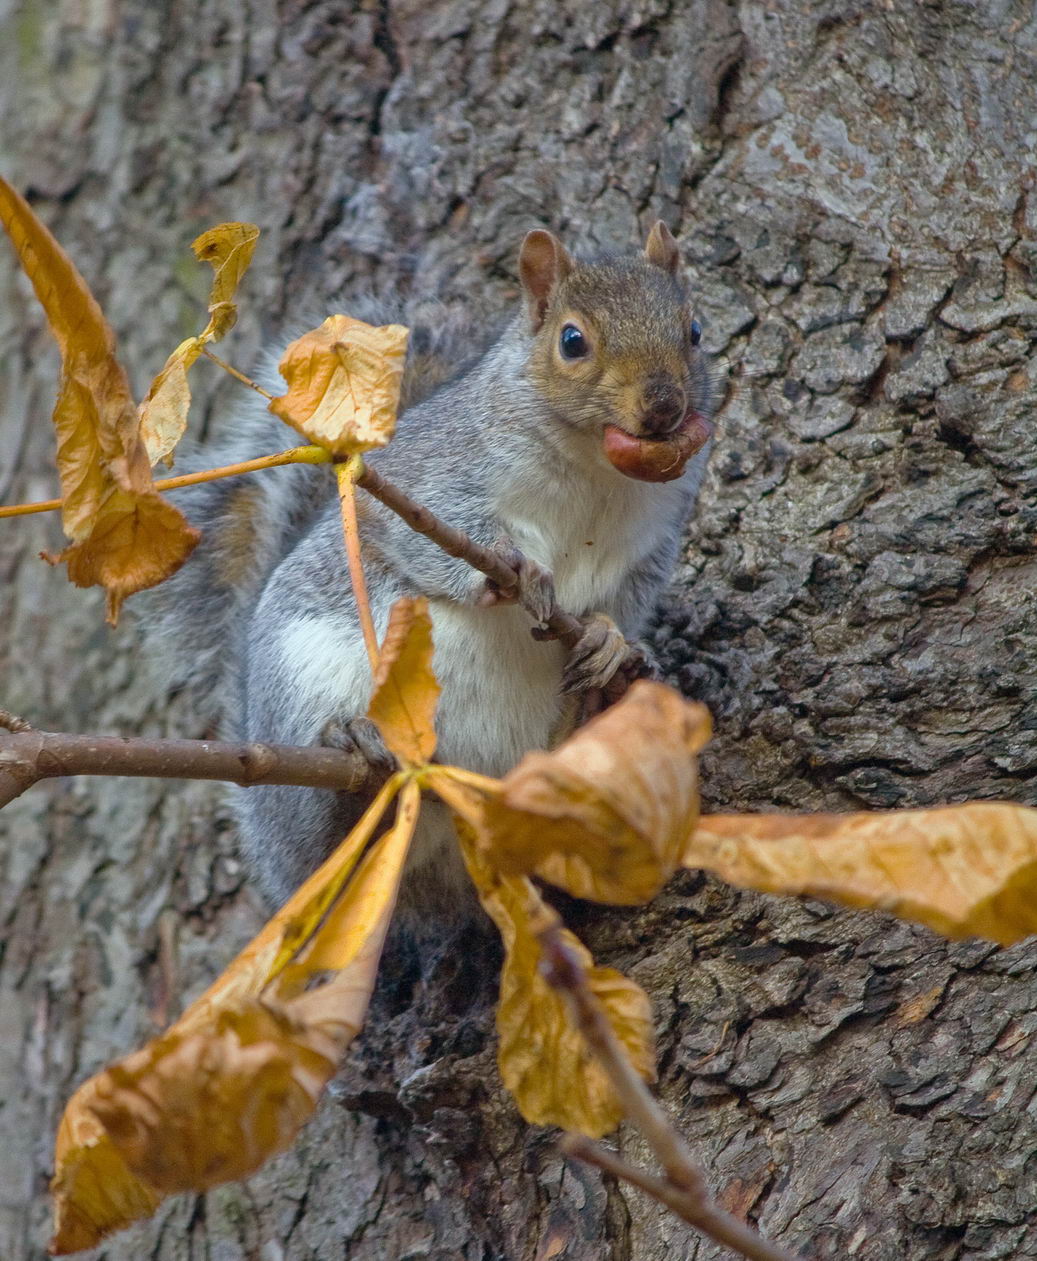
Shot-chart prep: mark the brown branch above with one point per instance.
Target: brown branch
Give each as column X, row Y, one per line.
column 683, row 1189
column 456, row 543
column 27, row 757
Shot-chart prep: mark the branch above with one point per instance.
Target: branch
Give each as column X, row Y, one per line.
column 455, row 543
column 26, row 757
column 561, row 625
column 683, row 1188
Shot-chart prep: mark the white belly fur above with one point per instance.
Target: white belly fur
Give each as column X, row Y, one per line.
column 500, row 698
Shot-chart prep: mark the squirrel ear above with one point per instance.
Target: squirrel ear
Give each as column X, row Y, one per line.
column 661, row 249
column 543, row 263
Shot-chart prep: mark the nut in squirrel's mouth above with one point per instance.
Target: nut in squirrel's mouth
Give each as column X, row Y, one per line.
column 657, row 459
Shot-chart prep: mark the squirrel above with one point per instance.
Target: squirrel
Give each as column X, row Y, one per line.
column 576, row 443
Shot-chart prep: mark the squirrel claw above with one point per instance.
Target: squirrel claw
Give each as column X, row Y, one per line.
column 603, row 656
column 360, row 735
column 535, row 590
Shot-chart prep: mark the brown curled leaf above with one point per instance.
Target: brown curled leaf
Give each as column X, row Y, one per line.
column 163, row 413
column 607, row 815
column 230, row 1084
column 137, row 541
column 228, row 248
column 544, row 1059
column 964, row 871
column 95, row 419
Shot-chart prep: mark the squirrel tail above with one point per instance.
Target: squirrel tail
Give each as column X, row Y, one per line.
column 249, row 523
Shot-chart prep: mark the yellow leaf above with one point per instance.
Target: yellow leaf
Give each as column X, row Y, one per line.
column 94, row 1191
column 163, row 413
column 968, row 870
column 606, row 815
column 344, row 384
column 287, row 933
column 405, row 689
column 544, row 1060
column 230, row 1084
column 229, row 248
column 137, row 541
column 94, row 416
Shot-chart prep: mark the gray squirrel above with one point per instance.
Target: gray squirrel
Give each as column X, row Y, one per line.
column 551, row 446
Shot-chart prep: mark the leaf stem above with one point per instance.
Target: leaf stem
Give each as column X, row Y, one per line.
column 295, row 455
column 238, row 376
column 347, row 474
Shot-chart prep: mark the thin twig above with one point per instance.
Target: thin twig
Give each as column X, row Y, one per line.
column 238, row 376
column 686, row 1191
column 456, row 543
column 29, row 756
column 294, row 455
column 706, row 1216
column 347, row 474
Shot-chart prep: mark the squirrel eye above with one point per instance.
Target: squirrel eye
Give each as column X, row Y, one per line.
column 696, row 332
column 572, row 343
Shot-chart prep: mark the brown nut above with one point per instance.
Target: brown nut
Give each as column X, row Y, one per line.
column 656, row 459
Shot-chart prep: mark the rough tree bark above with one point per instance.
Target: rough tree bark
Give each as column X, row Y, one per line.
column 851, row 184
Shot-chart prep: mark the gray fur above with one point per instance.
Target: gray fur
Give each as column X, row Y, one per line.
column 281, row 651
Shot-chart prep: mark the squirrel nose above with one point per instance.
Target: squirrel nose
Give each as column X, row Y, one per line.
column 663, row 403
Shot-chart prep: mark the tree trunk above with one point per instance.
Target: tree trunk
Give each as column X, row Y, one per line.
column 851, row 184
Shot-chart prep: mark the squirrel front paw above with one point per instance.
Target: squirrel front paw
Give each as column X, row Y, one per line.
column 603, row 656
column 536, row 585
column 360, row 735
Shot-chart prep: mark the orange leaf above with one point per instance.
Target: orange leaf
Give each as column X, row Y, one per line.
column 229, row 248
column 93, row 1189
column 124, row 536
column 344, row 384
column 544, row 1059
column 137, row 541
column 964, row 871
column 230, row 1084
column 405, row 689
column 94, row 416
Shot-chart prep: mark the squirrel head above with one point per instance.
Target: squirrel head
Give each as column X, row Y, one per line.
column 616, row 352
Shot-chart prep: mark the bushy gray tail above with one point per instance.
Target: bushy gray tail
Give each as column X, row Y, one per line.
column 250, row 523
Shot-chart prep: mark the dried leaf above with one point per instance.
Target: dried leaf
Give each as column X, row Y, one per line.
column 123, row 535
column 163, row 413
column 544, row 1059
column 93, row 1189
column 606, row 815
column 964, row 871
column 405, row 692
column 95, row 418
column 137, row 541
column 230, row 1084
column 344, row 384
column 229, row 248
